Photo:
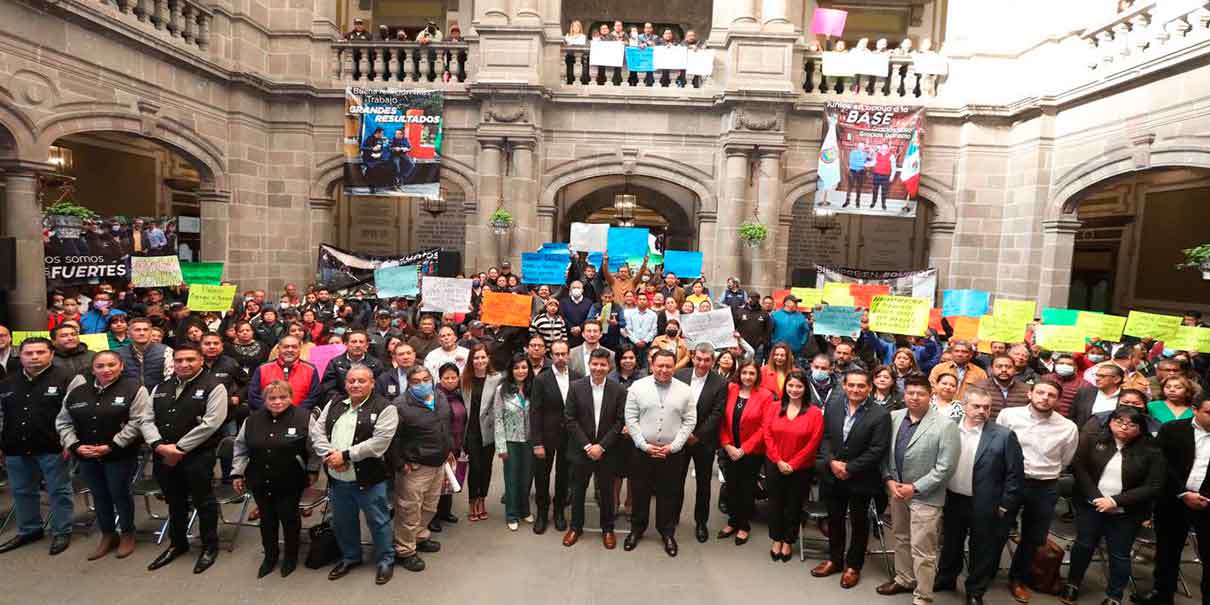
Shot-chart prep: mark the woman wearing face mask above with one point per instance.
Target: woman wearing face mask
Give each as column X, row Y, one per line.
column 99, row 425
column 451, row 388
column 274, row 460
column 671, row 340
column 1091, row 357
column 743, row 441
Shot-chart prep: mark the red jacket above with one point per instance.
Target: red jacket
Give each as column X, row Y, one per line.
column 768, row 380
column 750, row 434
column 792, row 441
column 304, row 383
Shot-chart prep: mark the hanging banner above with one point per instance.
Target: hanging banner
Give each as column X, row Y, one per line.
column 918, row 284
column 392, row 142
column 88, row 251
column 869, row 162
column 350, row 275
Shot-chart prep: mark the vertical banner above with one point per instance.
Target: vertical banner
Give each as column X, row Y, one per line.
column 392, row 142
column 869, row 162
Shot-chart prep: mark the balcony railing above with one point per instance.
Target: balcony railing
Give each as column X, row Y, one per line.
column 577, row 72
column 185, row 20
column 404, row 63
column 1145, row 31
column 901, row 80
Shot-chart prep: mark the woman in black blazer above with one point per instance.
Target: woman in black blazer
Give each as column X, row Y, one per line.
column 1119, row 473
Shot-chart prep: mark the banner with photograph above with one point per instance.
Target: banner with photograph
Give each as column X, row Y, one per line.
column 80, row 251
column 351, row 275
column 869, row 162
column 392, row 142
column 918, row 284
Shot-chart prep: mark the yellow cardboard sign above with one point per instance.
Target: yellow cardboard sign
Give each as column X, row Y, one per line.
column 203, row 297
column 807, row 297
column 1153, row 325
column 1189, row 338
column 1015, row 311
column 1060, row 339
column 837, row 293
column 1000, row 329
column 95, row 342
column 1100, row 326
column 900, row 315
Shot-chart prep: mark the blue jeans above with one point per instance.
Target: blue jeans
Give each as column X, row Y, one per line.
column 1037, row 511
column 1119, row 532
column 109, row 483
column 24, row 472
column 347, row 499
column 518, row 471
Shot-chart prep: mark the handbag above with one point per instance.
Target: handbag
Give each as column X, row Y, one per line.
column 324, row 549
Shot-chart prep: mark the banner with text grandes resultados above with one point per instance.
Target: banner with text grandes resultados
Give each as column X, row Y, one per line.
column 869, row 162
column 392, row 142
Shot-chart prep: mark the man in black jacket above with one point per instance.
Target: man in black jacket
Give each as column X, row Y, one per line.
column 10, row 362
column 424, row 443
column 357, row 346
column 981, row 499
column 857, row 434
column 594, row 416
column 546, row 432
column 710, row 393
column 71, row 354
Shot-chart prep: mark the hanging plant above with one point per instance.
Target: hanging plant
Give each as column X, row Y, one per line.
column 67, row 208
column 1197, row 257
column 753, row 233
column 501, row 221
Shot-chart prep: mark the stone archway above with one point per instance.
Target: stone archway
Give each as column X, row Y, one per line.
column 665, row 207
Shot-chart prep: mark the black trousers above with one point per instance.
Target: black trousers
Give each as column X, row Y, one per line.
column 987, row 532
column 279, row 507
column 701, row 456
column 190, row 481
column 580, row 474
column 786, row 494
column 742, row 475
column 556, row 460
column 840, row 500
column 663, row 478
column 479, row 469
column 1172, row 522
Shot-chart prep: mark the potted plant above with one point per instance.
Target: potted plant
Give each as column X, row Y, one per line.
column 753, row 233
column 501, row 221
column 1197, row 257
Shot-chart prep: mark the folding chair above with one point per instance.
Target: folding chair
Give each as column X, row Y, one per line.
column 813, row 512
column 226, row 494
column 879, row 526
column 147, row 488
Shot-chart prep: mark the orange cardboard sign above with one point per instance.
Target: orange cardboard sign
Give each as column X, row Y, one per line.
column 863, row 293
column 506, row 309
column 965, row 328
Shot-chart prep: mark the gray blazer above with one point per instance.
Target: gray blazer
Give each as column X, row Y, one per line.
column 931, row 456
column 487, row 416
column 575, row 360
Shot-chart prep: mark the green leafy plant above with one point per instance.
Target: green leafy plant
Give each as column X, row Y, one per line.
column 753, row 232
column 67, row 208
column 1196, row 257
column 501, row 218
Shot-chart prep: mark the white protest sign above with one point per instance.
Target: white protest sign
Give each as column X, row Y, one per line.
column 930, row 64
column 838, row 64
column 606, row 53
column 700, row 63
column 445, row 294
column 670, row 57
column 714, row 327
column 871, row 64
column 589, row 237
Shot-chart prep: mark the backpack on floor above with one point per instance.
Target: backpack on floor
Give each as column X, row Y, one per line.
column 1044, row 571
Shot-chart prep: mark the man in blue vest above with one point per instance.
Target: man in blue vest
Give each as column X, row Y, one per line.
column 149, row 362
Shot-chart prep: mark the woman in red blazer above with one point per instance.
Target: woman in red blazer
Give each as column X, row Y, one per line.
column 779, row 365
column 792, row 432
column 741, row 438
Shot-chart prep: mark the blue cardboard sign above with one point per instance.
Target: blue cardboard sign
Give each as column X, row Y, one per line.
column 543, row 268
column 969, row 303
column 684, row 264
column 640, row 59
column 397, row 281
column 835, row 320
column 626, row 243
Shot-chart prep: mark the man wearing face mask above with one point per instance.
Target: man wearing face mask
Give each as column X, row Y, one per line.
column 424, row 443
column 1126, row 357
column 823, row 388
column 1066, row 376
column 96, row 321
column 733, row 296
column 575, row 309
column 754, row 325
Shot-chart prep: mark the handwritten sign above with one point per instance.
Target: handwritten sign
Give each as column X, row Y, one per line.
column 829, row 21
column 506, row 309
column 900, row 315
column 1058, row 317
column 971, row 303
column 627, row 243
column 997, row 329
column 1151, row 325
column 1060, row 339
column 392, row 282
column 639, row 60
column 1188, row 338
column 1101, row 326
column 863, row 293
column 589, row 237
column 209, row 274
column 835, row 320
column 808, row 297
column 965, row 328
column 606, row 53
column 211, row 298
column 445, row 294
column 155, row 271
column 670, row 57
column 837, row 293
column 542, row 268
column 715, row 327
column 1016, row 311
column 683, row 264
column 701, row 63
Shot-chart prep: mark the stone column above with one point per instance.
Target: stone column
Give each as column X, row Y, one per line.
column 522, row 201
column 1058, row 245
column 323, row 223
column 941, row 249
column 480, row 242
column 491, row 11
column 216, row 220
column 768, row 206
column 544, row 230
column 732, row 208
column 708, row 242
column 744, row 15
column 774, row 16
column 22, row 220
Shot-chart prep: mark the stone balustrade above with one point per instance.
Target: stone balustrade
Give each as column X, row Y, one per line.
column 576, row 72
column 1145, row 31
column 901, row 81
column 186, row 20
column 436, row 65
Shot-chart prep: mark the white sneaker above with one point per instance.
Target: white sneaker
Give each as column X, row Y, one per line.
column 512, row 526
column 529, row 519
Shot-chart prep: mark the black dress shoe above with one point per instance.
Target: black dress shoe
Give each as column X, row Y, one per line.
column 974, row 600
column 670, row 546
column 449, row 518
column 59, row 544
column 166, row 557
column 741, row 541
column 435, row 526
column 384, row 575
column 206, row 559
column 540, row 524
column 723, row 534
column 1069, row 594
column 412, row 562
column 341, row 570
column 266, row 567
column 21, row 540
column 288, row 566
column 560, row 523
column 632, row 540
column 701, row 533
column 1151, row 598
column 428, row 546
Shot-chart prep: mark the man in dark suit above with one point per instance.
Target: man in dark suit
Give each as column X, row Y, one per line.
column 857, row 434
column 1090, row 400
column 1184, row 503
column 981, row 499
column 709, row 394
column 594, row 415
column 546, row 432
column 10, row 360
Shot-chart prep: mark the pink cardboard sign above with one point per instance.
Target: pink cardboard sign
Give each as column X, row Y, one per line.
column 321, row 355
column 828, row 21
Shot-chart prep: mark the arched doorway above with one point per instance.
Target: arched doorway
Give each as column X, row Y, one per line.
column 1132, row 228
column 664, row 207
column 387, row 226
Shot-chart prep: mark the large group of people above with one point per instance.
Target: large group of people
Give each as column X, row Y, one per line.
column 963, row 442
